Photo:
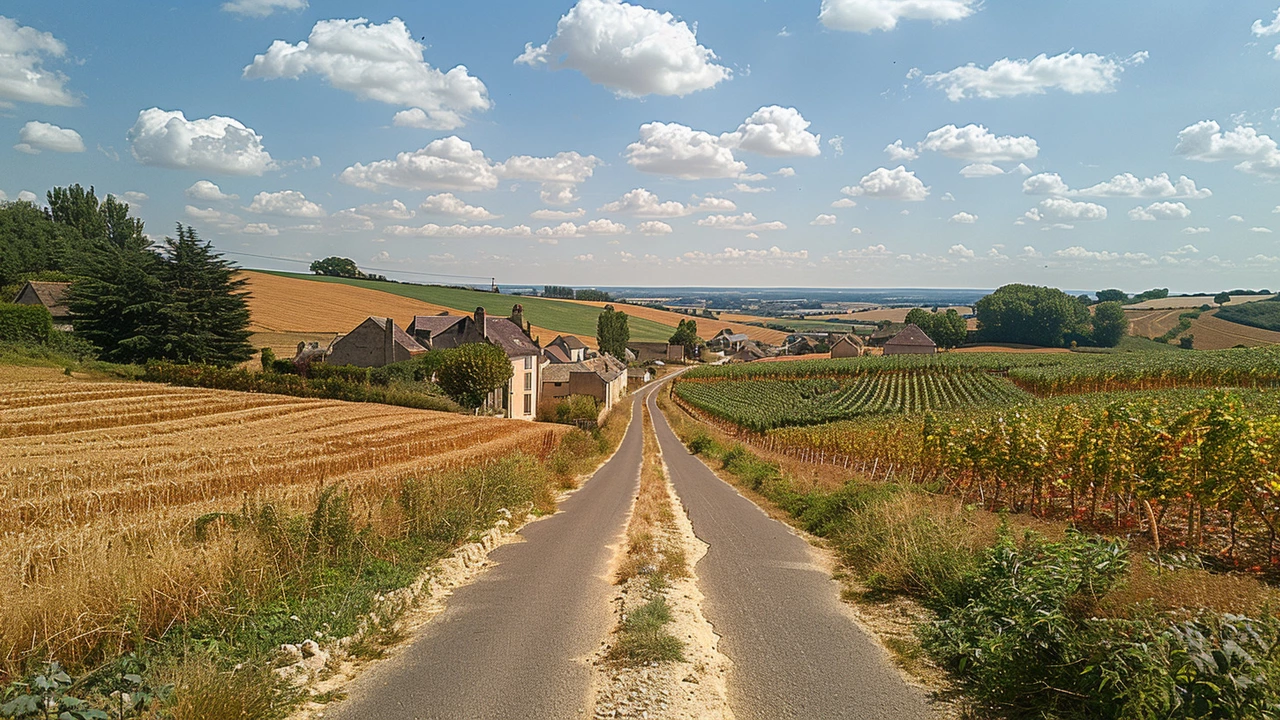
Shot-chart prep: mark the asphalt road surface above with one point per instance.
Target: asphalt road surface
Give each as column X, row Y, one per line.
column 796, row 653
column 517, row 642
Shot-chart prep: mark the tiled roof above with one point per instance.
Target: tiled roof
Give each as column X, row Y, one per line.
column 572, row 342
column 606, row 367
column 556, row 355
column 912, row 336
column 53, row 295
column 435, row 324
column 508, row 336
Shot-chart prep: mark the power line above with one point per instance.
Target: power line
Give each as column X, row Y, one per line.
column 385, row 270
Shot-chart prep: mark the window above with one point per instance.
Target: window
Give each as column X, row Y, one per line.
column 528, row 363
column 528, row 404
column 528, row 382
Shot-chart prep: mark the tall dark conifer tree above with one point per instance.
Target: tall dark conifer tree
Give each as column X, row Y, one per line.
column 209, row 313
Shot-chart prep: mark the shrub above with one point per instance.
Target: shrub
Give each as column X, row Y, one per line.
column 345, row 373
column 701, row 443
column 268, row 357
column 27, row 324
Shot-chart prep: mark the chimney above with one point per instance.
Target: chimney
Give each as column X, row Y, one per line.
column 479, row 318
column 390, row 343
column 517, row 317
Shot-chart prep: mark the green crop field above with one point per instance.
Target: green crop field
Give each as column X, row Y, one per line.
column 565, row 317
column 1264, row 314
column 762, row 405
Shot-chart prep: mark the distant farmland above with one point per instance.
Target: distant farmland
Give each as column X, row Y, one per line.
column 549, row 317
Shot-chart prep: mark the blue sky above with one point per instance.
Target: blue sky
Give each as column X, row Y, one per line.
column 717, row 142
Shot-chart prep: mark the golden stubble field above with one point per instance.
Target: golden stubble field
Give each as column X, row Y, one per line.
column 101, row 481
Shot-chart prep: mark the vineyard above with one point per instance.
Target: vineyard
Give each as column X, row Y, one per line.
column 1040, row 373
column 100, row 483
column 763, row 405
column 1182, row 446
column 1201, row 466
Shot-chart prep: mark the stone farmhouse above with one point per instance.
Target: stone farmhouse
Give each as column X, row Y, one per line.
column 602, row 377
column 849, row 346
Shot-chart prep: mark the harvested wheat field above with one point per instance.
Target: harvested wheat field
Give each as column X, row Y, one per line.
column 288, row 305
column 1211, row 333
column 100, row 482
column 1153, row 323
column 1188, row 303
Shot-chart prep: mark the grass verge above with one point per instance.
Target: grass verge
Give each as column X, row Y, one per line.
column 654, row 557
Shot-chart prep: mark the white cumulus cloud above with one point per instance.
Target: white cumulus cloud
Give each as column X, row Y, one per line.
column 1272, row 28
column 459, row 231
column 868, row 15
column 214, row 144
column 981, row 170
column 845, row 203
column 1073, row 73
column 389, row 210
column 738, row 256
column 288, row 203
column 548, row 214
column 1207, row 142
column 976, row 143
column 964, row 218
column 1067, row 210
column 383, row 63
column 1194, row 230
column 1126, row 185
column 654, row 227
column 629, row 49
column 1161, row 211
column 449, row 163
column 264, row 229
column 961, row 252
column 35, row 137
column 449, row 205
column 745, row 221
column 680, row 151
column 642, row 203
column 824, row 220
column 23, row 77
column 777, row 132
column 896, row 184
column 207, row 191
column 898, row 152
column 211, row 215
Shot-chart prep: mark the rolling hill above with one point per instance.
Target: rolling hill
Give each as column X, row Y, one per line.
column 297, row 303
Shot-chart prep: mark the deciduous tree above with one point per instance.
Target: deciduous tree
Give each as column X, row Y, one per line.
column 469, row 373
column 612, row 332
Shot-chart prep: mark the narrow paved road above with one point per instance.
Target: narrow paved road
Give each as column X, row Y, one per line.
column 796, row 653
column 517, row 642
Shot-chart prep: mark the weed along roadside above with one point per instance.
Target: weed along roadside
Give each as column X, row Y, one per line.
column 661, row 660
column 1027, row 618
column 249, row 606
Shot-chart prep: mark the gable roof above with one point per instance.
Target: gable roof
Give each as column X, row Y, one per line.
column 402, row 338
column 850, row 339
column 556, row 354
column 605, row 367
column 912, row 336
column 507, row 335
column 435, row 324
column 52, row 295
column 573, row 342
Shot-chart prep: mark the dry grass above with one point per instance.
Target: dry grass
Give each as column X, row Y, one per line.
column 1210, row 332
column 652, row 546
column 100, row 483
column 1151, row 588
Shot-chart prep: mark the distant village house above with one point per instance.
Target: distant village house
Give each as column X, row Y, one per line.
column 52, row 296
column 911, row 341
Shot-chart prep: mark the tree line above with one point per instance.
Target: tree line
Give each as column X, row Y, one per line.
column 133, row 299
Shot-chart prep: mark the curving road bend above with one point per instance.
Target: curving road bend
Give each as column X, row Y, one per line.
column 517, row 642
column 796, row 652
